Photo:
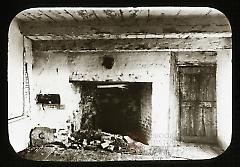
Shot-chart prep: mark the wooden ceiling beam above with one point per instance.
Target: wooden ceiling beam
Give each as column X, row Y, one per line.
column 212, row 43
column 132, row 36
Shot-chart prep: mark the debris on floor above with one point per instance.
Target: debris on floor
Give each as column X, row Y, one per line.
column 91, row 145
column 86, row 139
column 94, row 140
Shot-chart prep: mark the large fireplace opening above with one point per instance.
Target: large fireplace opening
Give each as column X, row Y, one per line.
column 119, row 108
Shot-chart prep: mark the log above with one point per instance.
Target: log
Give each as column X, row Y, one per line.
column 105, row 145
column 128, row 139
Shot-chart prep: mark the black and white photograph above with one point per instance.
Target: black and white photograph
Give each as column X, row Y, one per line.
column 119, row 84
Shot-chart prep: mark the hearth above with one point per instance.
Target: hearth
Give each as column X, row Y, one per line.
column 122, row 108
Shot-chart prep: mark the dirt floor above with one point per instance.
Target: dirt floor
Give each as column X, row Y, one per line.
column 182, row 151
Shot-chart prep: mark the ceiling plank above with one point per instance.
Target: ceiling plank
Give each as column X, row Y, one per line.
column 62, row 14
column 139, row 16
column 114, row 15
column 48, row 16
column 74, row 14
column 101, row 16
column 96, row 16
column 121, row 13
column 171, row 25
column 32, row 15
column 192, row 11
column 71, row 14
column 165, row 11
column 127, row 16
column 55, row 15
column 132, row 14
column 24, row 17
column 85, row 15
column 148, row 16
column 41, row 16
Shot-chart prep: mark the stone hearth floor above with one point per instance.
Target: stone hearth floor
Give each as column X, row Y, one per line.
column 183, row 151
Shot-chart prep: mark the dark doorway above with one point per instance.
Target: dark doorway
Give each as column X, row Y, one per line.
column 197, row 88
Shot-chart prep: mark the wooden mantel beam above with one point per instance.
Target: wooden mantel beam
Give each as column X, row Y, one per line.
column 130, row 36
column 189, row 42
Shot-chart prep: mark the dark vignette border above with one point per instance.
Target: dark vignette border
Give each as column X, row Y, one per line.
column 230, row 8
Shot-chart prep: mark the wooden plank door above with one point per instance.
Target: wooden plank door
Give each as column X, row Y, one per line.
column 197, row 88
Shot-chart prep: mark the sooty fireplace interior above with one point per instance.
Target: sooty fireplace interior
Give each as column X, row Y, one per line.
column 123, row 108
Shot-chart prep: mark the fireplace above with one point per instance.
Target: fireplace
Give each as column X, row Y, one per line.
column 122, row 108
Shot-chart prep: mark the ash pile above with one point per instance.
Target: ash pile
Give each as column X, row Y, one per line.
column 86, row 140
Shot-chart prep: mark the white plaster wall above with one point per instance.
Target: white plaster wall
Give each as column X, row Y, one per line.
column 224, row 97
column 160, row 115
column 160, row 103
column 18, row 128
column 15, row 71
column 174, row 115
column 142, row 67
column 46, row 80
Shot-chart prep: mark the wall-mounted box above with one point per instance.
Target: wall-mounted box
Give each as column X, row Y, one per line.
column 48, row 99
